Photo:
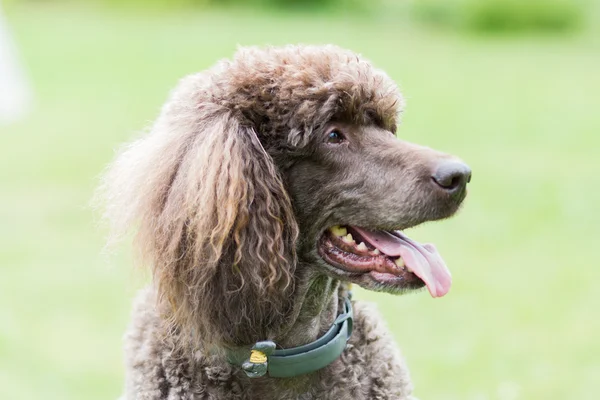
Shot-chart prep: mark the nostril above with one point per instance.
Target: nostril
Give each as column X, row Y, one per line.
column 447, row 182
column 452, row 175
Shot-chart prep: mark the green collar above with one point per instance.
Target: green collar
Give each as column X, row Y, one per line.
column 262, row 358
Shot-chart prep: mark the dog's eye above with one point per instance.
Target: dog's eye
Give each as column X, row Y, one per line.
column 335, row 137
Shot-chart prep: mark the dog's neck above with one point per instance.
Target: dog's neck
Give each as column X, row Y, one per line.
column 316, row 304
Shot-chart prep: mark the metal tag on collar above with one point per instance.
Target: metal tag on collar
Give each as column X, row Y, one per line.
column 258, row 362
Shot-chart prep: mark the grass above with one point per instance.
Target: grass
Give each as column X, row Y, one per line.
column 521, row 321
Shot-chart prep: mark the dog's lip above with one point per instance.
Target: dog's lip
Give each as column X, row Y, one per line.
column 398, row 281
column 381, row 251
column 386, row 275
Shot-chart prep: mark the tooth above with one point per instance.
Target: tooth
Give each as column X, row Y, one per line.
column 338, row 230
column 348, row 238
column 362, row 246
column 399, row 262
column 376, row 252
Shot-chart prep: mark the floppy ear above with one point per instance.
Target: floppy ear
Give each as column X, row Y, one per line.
column 215, row 223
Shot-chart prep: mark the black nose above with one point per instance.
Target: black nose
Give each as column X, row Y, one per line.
column 452, row 175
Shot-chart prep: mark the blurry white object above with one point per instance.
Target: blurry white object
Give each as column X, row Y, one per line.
column 15, row 93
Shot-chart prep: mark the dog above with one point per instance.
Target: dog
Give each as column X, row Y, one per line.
column 267, row 186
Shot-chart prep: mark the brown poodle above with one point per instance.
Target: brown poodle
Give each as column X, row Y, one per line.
column 267, row 185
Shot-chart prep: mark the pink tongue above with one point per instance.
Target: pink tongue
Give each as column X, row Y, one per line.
column 423, row 260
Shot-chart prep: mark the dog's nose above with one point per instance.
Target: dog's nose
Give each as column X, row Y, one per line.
column 452, row 175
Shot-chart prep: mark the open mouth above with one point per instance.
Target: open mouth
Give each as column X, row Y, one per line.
column 390, row 258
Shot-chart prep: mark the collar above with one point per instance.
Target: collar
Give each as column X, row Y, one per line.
column 263, row 359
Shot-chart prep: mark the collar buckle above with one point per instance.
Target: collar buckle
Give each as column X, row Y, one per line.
column 258, row 362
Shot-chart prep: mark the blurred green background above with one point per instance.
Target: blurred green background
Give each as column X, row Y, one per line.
column 510, row 86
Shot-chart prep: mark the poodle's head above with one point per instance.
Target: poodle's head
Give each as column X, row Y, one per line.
column 280, row 163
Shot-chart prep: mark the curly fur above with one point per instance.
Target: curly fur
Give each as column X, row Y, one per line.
column 211, row 194
column 370, row 368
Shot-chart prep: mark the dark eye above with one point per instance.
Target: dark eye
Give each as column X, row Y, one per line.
column 335, row 137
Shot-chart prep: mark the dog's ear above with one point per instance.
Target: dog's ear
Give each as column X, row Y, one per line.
column 214, row 222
